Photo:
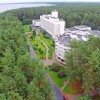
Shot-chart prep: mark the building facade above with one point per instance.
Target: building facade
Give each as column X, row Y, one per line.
column 50, row 23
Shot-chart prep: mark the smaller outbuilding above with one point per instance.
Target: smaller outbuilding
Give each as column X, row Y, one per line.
column 36, row 22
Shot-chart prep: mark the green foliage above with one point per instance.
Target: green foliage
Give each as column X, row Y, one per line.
column 2, row 96
column 86, row 97
column 39, row 49
column 41, row 52
column 27, row 21
column 57, row 80
column 83, row 60
column 68, row 89
column 44, row 32
column 54, row 75
column 36, row 43
column 73, row 14
column 49, row 42
column 35, row 48
column 21, row 76
column 14, row 96
column 26, row 28
column 33, row 34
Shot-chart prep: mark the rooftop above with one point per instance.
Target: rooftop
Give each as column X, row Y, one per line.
column 36, row 20
column 72, row 29
column 65, row 38
column 94, row 32
column 52, row 18
column 82, row 26
column 78, row 28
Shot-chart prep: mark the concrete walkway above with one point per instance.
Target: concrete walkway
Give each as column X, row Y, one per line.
column 66, row 82
column 47, row 49
column 47, row 61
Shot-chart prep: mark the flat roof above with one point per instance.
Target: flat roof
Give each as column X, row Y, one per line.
column 72, row 29
column 51, row 17
column 65, row 39
column 82, row 26
column 36, row 20
column 94, row 32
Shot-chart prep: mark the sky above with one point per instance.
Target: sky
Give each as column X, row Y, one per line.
column 14, row 1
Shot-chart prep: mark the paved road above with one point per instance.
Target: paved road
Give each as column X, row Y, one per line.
column 57, row 92
column 33, row 54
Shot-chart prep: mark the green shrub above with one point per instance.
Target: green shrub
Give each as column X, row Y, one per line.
column 36, row 44
column 86, row 97
column 53, row 44
column 50, row 56
column 35, row 48
column 61, row 74
column 44, row 57
column 56, row 68
column 39, row 49
column 47, row 37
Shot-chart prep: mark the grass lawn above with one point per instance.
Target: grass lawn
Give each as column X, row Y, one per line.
column 60, row 81
column 36, row 44
column 54, row 75
column 57, row 80
column 26, row 28
column 50, row 43
column 68, row 89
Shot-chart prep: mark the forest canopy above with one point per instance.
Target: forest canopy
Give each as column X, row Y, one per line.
column 21, row 76
column 73, row 14
column 83, row 60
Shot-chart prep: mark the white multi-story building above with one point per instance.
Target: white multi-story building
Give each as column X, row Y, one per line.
column 62, row 41
column 51, row 23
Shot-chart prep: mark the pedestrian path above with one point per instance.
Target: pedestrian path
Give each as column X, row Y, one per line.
column 66, row 82
column 45, row 46
column 47, row 61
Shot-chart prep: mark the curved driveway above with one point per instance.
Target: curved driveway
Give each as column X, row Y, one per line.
column 57, row 91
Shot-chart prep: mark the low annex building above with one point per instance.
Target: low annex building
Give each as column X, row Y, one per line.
column 80, row 33
column 36, row 22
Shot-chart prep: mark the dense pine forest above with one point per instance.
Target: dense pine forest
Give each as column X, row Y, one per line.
column 21, row 76
column 84, row 64
column 73, row 14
